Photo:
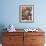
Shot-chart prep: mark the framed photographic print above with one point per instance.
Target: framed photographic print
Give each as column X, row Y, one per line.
column 26, row 13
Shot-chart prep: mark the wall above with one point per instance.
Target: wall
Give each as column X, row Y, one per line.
column 10, row 13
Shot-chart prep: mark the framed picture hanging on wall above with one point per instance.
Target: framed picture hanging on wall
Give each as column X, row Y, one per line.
column 26, row 13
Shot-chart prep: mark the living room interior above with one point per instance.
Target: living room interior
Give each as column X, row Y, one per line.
column 10, row 14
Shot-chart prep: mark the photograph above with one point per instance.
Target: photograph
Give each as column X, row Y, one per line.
column 26, row 13
column 22, row 23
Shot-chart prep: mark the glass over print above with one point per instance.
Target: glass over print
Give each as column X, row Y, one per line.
column 26, row 13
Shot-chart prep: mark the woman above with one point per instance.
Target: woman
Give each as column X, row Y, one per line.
column 26, row 14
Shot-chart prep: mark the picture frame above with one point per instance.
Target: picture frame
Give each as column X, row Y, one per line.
column 26, row 13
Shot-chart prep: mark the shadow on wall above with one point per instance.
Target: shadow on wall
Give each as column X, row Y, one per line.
column 2, row 26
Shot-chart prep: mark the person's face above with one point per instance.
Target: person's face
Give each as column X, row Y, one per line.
column 26, row 12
